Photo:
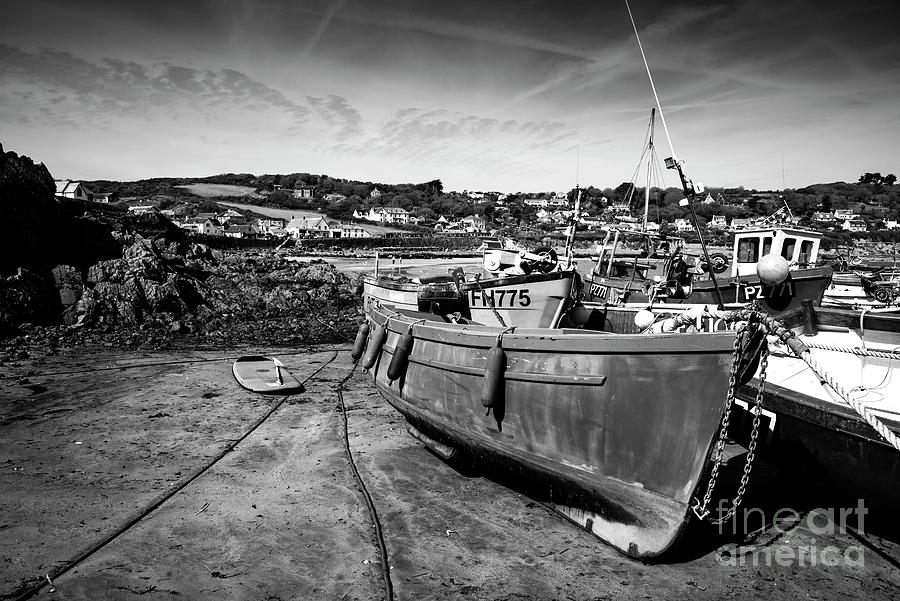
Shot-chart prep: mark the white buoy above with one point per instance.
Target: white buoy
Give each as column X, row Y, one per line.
column 772, row 269
column 643, row 319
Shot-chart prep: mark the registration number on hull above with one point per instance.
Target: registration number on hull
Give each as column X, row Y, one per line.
column 506, row 298
column 762, row 291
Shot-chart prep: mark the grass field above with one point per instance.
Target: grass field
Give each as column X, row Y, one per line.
column 218, row 190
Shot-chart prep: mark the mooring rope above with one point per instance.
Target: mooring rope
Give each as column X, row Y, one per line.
column 798, row 348
column 370, row 504
column 142, row 513
column 856, row 350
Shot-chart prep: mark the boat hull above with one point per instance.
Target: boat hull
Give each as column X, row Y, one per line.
column 619, row 427
column 806, row 284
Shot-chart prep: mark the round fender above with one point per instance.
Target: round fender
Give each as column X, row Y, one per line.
column 493, row 384
column 376, row 341
column 359, row 345
column 719, row 262
column 400, row 360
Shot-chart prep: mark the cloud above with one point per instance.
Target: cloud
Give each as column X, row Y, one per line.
column 64, row 89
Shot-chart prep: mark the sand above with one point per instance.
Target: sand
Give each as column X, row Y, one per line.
column 281, row 516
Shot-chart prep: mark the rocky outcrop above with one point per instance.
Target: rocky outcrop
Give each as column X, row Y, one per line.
column 92, row 269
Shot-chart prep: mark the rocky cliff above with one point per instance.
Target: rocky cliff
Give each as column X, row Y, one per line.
column 81, row 270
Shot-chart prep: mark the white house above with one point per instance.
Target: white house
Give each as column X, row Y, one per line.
column 202, row 225
column 143, row 209
column 718, row 222
column 854, row 225
column 683, row 225
column 303, row 192
column 70, row 189
column 308, row 227
column 354, row 231
column 473, row 223
column 268, row 225
column 387, row 215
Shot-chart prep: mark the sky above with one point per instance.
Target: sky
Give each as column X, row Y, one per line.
column 499, row 95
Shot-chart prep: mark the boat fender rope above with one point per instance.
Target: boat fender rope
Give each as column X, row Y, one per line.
column 493, row 382
column 402, row 350
column 376, row 342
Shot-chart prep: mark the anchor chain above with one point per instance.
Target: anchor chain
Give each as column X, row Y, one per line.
column 701, row 509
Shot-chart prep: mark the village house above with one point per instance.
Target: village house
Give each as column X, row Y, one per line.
column 823, row 217
column 375, row 193
column 78, row 191
column 718, row 222
column 683, row 225
column 143, row 209
column 390, row 215
column 303, row 192
column 536, row 202
column 334, row 197
column 308, row 227
column 854, row 225
column 473, row 223
column 349, row 230
column 740, row 224
column 843, row 214
column 266, row 225
column 241, row 230
column 202, row 225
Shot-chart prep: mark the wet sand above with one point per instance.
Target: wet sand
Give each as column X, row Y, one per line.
column 281, row 516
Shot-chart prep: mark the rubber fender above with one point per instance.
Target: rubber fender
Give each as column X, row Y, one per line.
column 400, row 360
column 359, row 345
column 493, row 384
column 376, row 341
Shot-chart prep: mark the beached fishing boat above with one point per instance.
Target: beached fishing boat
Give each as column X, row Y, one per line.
column 619, row 427
column 532, row 300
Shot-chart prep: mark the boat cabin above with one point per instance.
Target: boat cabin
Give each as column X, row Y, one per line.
column 799, row 246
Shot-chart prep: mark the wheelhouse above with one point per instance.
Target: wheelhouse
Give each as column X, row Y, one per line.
column 800, row 247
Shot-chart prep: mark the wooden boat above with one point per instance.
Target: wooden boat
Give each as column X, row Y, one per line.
column 664, row 280
column 533, row 297
column 619, row 425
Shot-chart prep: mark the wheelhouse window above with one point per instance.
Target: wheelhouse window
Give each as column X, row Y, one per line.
column 787, row 249
column 806, row 249
column 748, row 250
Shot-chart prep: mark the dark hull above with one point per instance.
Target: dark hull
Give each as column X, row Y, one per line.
column 589, row 414
column 806, row 284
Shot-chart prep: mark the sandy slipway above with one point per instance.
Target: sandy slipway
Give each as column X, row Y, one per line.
column 91, row 438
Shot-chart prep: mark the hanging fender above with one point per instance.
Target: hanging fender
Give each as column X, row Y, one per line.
column 400, row 360
column 359, row 345
column 493, row 383
column 376, row 341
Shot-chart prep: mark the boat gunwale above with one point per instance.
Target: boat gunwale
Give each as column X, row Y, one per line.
column 565, row 340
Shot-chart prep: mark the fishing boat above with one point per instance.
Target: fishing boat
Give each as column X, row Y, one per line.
column 514, row 286
column 820, row 421
column 619, row 426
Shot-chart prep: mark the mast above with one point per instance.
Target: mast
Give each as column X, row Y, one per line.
column 649, row 170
